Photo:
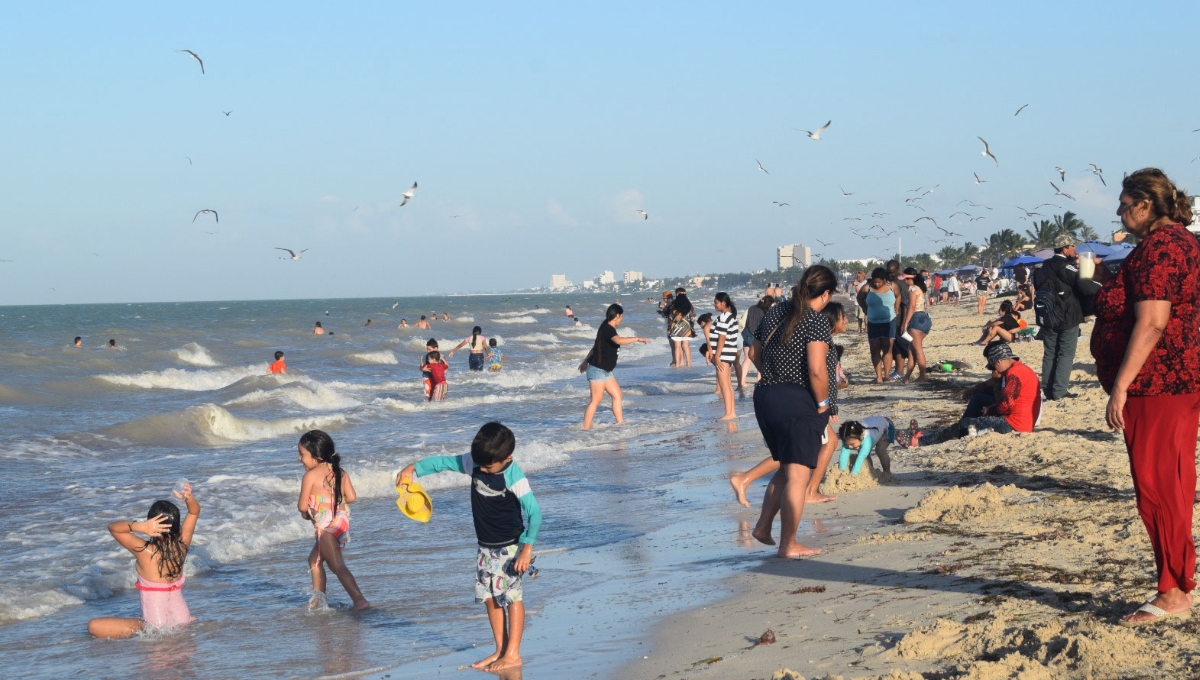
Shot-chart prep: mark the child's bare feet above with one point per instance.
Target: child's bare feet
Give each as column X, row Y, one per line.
column 505, row 662
column 484, row 663
column 360, row 605
column 818, row 498
column 738, row 482
column 799, row 551
column 763, row 537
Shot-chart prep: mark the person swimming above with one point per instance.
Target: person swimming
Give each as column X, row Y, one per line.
column 159, row 567
column 318, row 329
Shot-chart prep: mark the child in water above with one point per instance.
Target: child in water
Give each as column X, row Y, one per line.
column 159, row 567
column 436, row 367
column 495, row 357
column 278, row 366
column 325, row 494
column 499, row 493
column 873, row 435
column 426, row 376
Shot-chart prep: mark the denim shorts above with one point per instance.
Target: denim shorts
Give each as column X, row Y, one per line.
column 920, row 321
column 879, row 331
column 595, row 374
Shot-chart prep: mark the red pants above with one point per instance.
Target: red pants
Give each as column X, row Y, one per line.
column 1160, row 435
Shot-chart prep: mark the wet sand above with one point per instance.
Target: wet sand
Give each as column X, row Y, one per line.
column 999, row 556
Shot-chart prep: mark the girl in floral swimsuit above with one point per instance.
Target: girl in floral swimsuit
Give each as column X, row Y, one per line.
column 325, row 495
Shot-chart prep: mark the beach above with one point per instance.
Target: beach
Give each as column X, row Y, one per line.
column 991, row 557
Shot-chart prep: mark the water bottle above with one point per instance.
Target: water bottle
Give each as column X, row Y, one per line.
column 177, row 491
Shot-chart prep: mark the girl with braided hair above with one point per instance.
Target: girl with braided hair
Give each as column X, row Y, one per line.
column 325, row 495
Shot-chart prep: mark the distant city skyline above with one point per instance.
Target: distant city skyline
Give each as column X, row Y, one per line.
column 626, row 133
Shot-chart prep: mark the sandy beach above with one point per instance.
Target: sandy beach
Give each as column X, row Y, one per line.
column 999, row 556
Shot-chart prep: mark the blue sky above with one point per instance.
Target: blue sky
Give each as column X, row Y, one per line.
column 543, row 127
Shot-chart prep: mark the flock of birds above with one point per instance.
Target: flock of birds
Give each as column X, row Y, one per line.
column 292, row 254
column 877, row 231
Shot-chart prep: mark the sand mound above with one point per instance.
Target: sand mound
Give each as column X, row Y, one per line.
column 958, row 504
column 841, row 481
column 1055, row 648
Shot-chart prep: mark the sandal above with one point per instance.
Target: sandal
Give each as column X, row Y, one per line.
column 1156, row 612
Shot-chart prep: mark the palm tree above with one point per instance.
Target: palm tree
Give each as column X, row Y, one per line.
column 1001, row 246
column 1043, row 234
column 1069, row 223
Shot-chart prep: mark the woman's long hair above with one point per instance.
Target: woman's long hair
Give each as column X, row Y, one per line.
column 816, row 281
column 724, row 299
column 170, row 548
column 613, row 311
column 767, row 302
column 682, row 305
column 320, row 446
column 1166, row 200
column 475, row 336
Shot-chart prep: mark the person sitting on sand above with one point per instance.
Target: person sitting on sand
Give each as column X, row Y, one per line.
column 278, row 366
column 423, row 324
column 1003, row 328
column 500, row 493
column 1010, row 401
column 318, row 329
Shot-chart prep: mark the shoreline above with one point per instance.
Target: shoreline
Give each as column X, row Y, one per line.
column 999, row 556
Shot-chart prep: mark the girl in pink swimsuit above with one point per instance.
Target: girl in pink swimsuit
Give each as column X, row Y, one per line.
column 325, row 495
column 159, row 567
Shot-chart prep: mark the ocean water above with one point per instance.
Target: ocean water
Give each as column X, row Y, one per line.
column 94, row 435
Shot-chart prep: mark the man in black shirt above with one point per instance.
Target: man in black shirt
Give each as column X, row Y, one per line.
column 1059, row 277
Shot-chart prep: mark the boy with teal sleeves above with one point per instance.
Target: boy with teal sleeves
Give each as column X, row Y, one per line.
column 499, row 494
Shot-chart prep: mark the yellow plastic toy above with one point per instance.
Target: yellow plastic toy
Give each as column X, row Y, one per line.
column 414, row 502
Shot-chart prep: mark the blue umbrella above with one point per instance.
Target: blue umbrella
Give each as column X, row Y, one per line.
column 1021, row 259
column 1120, row 251
column 1101, row 250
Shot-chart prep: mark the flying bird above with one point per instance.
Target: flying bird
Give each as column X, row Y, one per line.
column 977, row 180
column 408, row 195
column 865, row 203
column 395, row 304
column 825, row 244
column 926, row 217
column 915, row 191
column 206, row 211
column 1028, row 213
column 987, row 151
column 226, row 112
column 210, row 232
column 845, row 194
column 814, row 135
column 295, row 255
column 976, row 219
column 1099, row 173
column 930, row 190
column 760, row 167
column 1062, row 174
column 644, row 214
column 189, row 159
column 855, row 219
column 780, row 204
column 1059, row 192
column 959, row 213
column 1020, row 110
column 197, row 58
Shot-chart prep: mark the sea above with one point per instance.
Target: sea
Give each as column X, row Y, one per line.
column 633, row 529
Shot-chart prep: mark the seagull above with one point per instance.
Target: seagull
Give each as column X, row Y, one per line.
column 915, row 191
column 986, row 151
column 1099, row 173
column 908, row 226
column 910, row 200
column 1062, row 174
column 395, row 304
column 1059, row 192
column 644, row 214
column 914, row 205
column 1019, row 111
column 210, row 232
column 845, row 194
column 876, row 226
column 455, row 217
column 930, row 191
column 408, row 195
column 816, row 136
column 977, row 180
column 206, row 211
column 295, row 255
column 760, row 167
column 865, row 203
column 1042, row 205
column 976, row 219
column 947, row 232
column 856, row 219
column 926, row 217
column 226, row 112
column 780, row 204
column 959, row 213
column 878, row 214
column 196, row 57
column 825, row 244
column 189, row 159
column 1029, row 214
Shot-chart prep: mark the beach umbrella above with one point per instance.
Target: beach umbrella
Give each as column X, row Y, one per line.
column 1044, row 253
column 1120, row 251
column 969, row 268
column 1100, row 249
column 1021, row 259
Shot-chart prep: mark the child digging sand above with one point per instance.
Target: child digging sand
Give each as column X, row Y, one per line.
column 325, row 495
column 499, row 492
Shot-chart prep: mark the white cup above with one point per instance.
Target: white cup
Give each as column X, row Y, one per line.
column 906, row 337
column 1087, row 265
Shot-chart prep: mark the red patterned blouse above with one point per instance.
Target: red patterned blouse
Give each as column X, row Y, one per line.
column 1164, row 266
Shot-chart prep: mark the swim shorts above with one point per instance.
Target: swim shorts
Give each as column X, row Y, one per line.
column 495, row 576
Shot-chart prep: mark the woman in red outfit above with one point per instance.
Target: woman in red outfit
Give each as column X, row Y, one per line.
column 1145, row 344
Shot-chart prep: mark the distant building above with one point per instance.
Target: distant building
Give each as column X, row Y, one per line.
column 606, row 279
column 794, row 255
column 633, row 277
column 589, row 284
column 698, row 281
column 559, row 282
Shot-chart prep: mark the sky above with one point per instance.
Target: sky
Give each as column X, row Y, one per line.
column 536, row 130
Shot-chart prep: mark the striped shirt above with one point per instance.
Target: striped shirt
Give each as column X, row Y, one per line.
column 725, row 324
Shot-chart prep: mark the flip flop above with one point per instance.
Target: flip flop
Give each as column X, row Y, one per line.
column 1157, row 613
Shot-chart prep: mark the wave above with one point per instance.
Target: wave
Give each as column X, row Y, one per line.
column 380, row 357
column 464, row 319
column 515, row 319
column 181, row 379
column 195, row 355
column 305, row 393
column 537, row 337
column 212, row 426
